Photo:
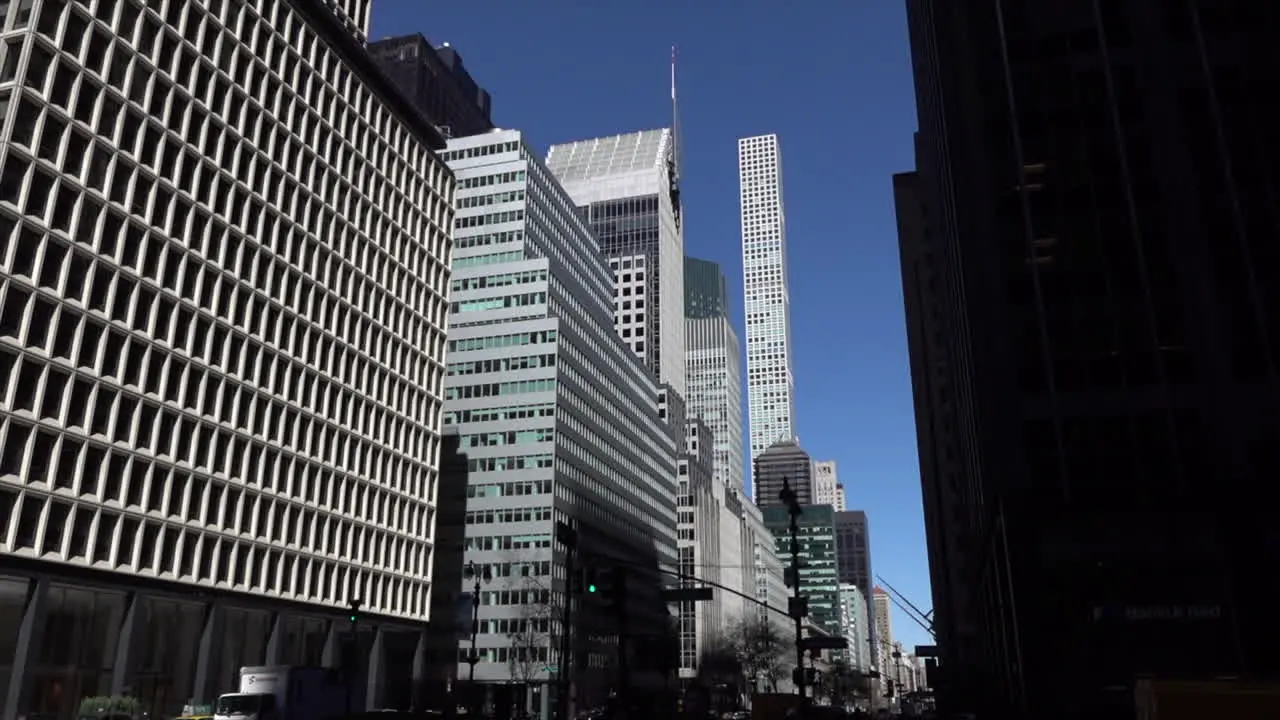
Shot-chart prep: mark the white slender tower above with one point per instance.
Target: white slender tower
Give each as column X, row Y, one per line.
column 770, row 383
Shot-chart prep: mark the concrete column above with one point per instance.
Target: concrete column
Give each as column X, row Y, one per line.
column 377, row 672
column 29, row 639
column 131, row 626
column 417, row 692
column 272, row 655
column 203, row 689
column 331, row 657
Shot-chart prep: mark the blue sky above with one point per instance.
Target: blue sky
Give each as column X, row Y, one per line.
column 833, row 80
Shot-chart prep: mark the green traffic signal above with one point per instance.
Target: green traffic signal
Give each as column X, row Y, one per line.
column 353, row 618
column 591, row 588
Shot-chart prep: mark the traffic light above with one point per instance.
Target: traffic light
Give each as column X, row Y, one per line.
column 586, row 581
column 613, row 588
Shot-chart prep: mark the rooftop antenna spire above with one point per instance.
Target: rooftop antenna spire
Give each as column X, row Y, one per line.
column 673, row 170
column 675, row 116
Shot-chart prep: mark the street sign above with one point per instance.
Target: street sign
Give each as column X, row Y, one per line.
column 824, row 643
column 686, row 594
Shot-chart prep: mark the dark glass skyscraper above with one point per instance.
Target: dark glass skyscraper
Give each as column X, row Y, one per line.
column 436, row 83
column 786, row 461
column 706, row 295
column 1090, row 264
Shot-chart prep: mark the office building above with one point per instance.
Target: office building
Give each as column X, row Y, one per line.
column 855, row 626
column 699, row 546
column 853, row 554
column 818, row 574
column 882, row 607
column 784, row 461
column 1100, row 222
column 770, row 382
column 713, row 362
column 735, row 556
column 706, row 292
column 628, row 186
column 827, row 488
column 435, row 82
column 221, row 344
column 764, row 578
column 559, row 419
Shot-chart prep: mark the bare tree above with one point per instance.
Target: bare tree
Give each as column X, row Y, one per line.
column 760, row 649
column 529, row 635
column 844, row 684
column 719, row 660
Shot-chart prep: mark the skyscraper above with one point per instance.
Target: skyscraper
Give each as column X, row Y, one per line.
column 770, row 383
column 882, row 606
column 853, row 554
column 713, row 361
column 558, row 418
column 221, row 351
column 628, row 187
column 435, row 82
column 706, row 294
column 819, row 579
column 827, row 489
column 1102, row 403
column 856, row 622
column 785, row 461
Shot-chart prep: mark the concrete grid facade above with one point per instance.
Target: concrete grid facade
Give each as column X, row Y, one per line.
column 770, row 382
column 225, row 250
column 626, row 185
column 558, row 419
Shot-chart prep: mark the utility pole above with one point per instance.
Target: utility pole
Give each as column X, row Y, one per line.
column 798, row 607
column 568, row 537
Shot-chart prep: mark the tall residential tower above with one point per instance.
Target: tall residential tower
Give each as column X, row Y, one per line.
column 770, row 384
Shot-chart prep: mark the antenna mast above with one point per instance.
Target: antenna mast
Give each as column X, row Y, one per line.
column 673, row 171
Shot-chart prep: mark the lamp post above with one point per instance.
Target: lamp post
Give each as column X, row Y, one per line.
column 798, row 609
column 477, row 575
column 352, row 659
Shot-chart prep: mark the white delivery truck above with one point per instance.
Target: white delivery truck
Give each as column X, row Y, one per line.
column 290, row 693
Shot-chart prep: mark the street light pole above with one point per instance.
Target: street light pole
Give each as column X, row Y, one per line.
column 351, row 658
column 474, row 657
column 788, row 498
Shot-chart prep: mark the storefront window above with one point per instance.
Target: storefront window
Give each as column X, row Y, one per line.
column 164, row 663
column 77, row 652
column 13, row 603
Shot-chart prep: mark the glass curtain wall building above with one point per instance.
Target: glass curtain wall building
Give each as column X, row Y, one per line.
column 819, row 579
column 627, row 186
column 713, row 366
column 224, row 245
column 559, row 420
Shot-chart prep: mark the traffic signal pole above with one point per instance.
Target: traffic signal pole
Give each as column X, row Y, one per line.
column 619, row 590
column 788, row 498
column 568, row 537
